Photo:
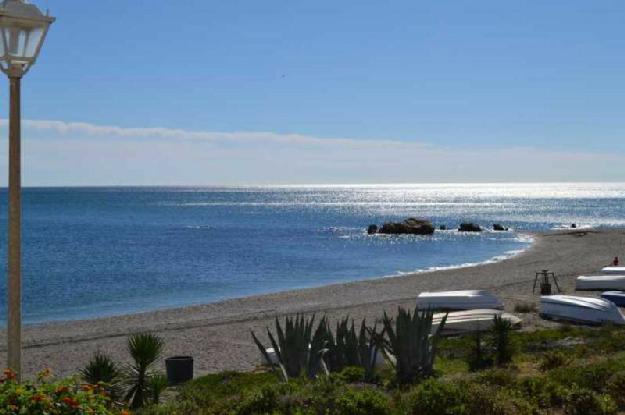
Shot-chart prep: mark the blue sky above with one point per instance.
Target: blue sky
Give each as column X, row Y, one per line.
column 422, row 91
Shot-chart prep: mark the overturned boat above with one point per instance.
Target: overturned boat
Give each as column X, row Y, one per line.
column 617, row 297
column 458, row 300
column 582, row 310
column 613, row 270
column 600, row 283
column 471, row 321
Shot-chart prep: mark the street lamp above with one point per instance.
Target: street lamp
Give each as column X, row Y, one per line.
column 23, row 28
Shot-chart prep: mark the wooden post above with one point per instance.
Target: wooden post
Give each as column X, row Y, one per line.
column 14, row 331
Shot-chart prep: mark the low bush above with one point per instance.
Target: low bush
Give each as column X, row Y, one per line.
column 364, row 401
column 542, row 391
column 616, row 388
column 483, row 399
column 593, row 376
column 553, row 359
column 351, row 374
column 586, row 402
column 434, row 397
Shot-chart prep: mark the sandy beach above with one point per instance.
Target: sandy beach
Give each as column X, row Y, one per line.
column 217, row 335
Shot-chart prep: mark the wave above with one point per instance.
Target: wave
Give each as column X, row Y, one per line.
column 527, row 239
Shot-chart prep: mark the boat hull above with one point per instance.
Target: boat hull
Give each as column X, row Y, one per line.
column 582, row 310
column 458, row 300
column 600, row 283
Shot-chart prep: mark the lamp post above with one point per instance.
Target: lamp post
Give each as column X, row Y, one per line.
column 23, row 28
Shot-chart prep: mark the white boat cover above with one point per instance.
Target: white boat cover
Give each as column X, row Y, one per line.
column 614, row 270
column 470, row 321
column 600, row 283
column 458, row 300
column 580, row 309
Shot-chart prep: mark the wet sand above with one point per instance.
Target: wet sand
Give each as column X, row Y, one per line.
column 217, row 335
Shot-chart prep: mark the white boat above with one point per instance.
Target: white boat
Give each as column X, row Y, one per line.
column 580, row 309
column 613, row 270
column 600, row 283
column 470, row 321
column 458, row 300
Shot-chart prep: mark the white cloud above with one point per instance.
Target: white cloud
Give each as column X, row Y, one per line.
column 66, row 153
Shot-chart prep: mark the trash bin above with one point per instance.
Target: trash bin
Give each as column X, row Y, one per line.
column 179, row 369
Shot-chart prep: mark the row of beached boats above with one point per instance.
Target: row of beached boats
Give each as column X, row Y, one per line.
column 590, row 310
column 470, row 311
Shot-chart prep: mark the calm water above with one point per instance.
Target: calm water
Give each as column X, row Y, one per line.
column 102, row 251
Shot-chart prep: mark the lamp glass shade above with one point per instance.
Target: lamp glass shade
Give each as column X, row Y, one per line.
column 23, row 29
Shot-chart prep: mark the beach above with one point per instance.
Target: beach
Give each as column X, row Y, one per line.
column 217, row 335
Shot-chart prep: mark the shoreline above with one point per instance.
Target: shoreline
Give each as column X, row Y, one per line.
column 217, row 334
column 524, row 237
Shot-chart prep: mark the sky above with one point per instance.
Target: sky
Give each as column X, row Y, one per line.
column 196, row 92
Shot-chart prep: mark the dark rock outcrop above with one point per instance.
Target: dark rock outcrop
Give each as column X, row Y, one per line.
column 410, row 226
column 499, row 227
column 443, row 227
column 372, row 229
column 469, row 227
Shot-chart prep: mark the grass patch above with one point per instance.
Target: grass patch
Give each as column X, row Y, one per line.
column 567, row 370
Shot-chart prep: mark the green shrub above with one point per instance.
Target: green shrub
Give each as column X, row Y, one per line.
column 263, row 401
column 616, row 388
column 220, row 391
column 541, row 390
column 434, row 397
column 586, row 402
column 351, row 374
column 482, row 399
column 593, row 376
column 554, row 359
column 496, row 377
column 362, row 402
column 67, row 397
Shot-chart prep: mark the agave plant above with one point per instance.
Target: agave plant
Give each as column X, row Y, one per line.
column 352, row 348
column 412, row 342
column 145, row 350
column 158, row 383
column 502, row 343
column 298, row 349
column 101, row 369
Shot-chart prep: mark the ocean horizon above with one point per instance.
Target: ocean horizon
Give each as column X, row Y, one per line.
column 106, row 250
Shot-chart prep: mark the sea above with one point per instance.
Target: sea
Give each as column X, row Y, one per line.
column 105, row 251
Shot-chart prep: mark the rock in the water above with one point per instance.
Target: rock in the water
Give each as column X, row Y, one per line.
column 372, row 229
column 499, row 227
column 443, row 227
column 469, row 227
column 410, row 226
column 573, row 225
